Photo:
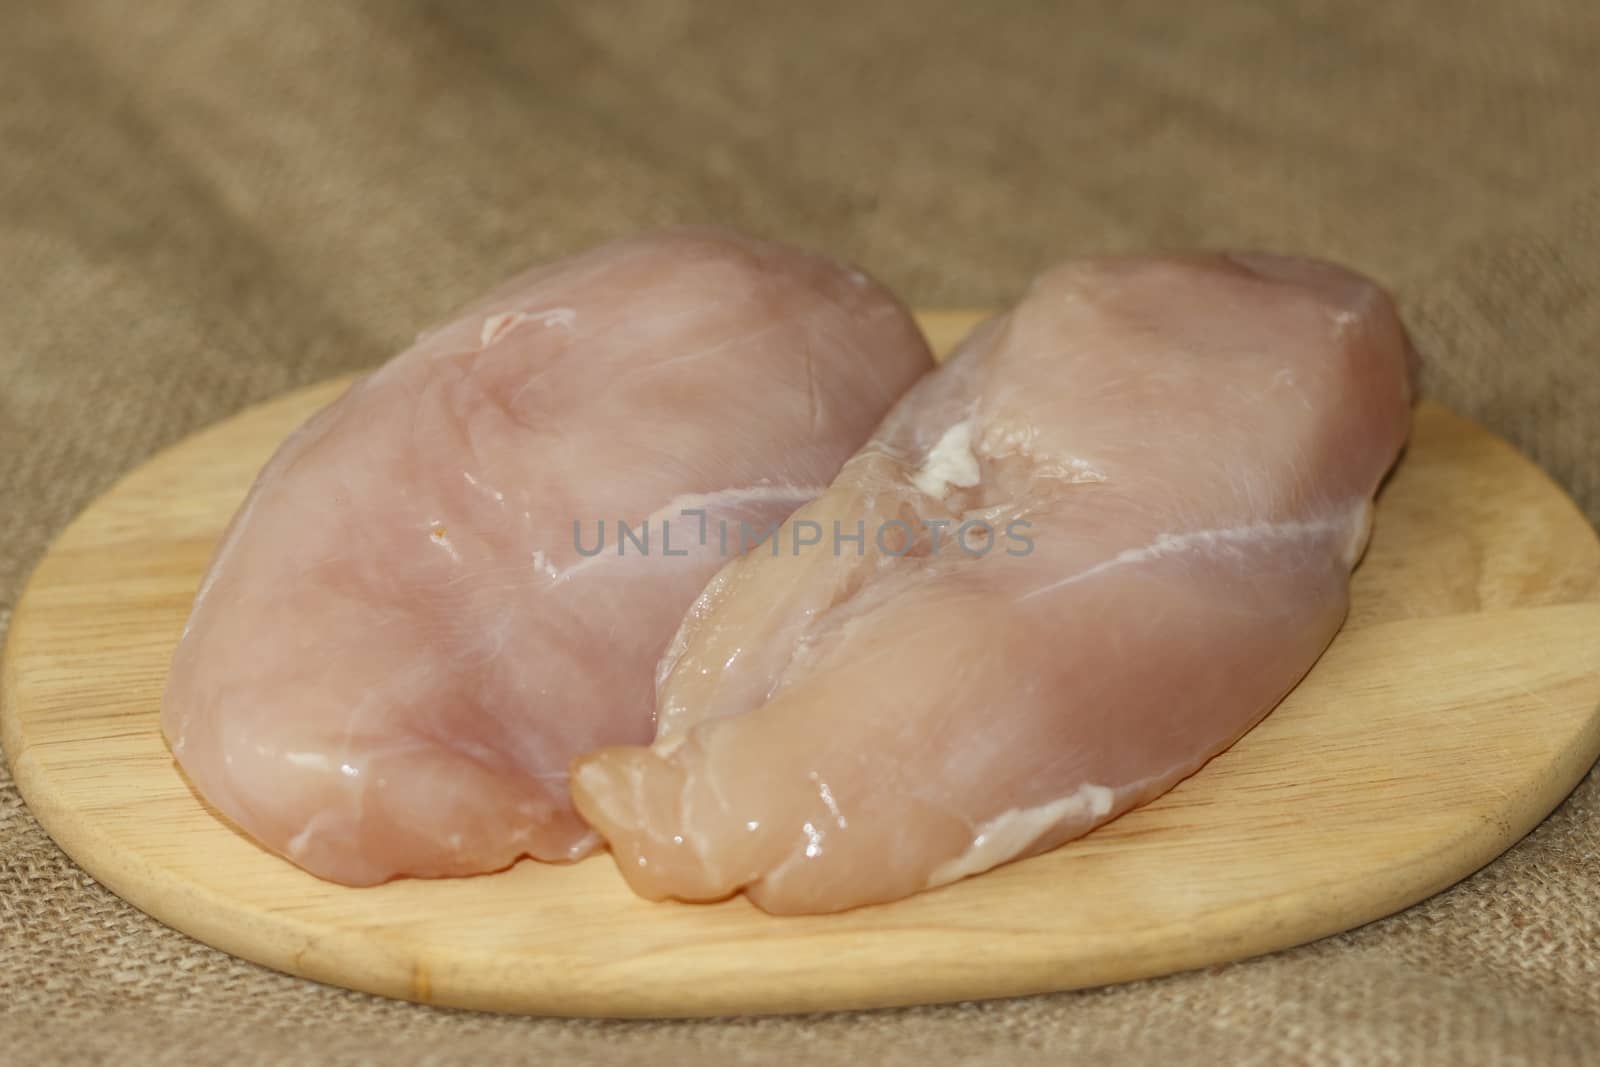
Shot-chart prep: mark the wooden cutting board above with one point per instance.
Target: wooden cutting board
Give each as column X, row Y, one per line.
column 1458, row 706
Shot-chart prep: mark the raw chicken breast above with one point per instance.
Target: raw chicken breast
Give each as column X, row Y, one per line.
column 1163, row 468
column 407, row 633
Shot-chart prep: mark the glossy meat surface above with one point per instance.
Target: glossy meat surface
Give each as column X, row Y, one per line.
column 1174, row 460
column 407, row 635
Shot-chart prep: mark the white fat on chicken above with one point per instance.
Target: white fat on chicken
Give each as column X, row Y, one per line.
column 497, row 326
column 1009, row 833
column 950, row 463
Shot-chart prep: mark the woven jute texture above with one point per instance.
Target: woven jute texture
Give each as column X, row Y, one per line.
column 204, row 204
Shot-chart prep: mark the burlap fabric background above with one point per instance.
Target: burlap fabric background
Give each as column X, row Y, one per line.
column 204, row 204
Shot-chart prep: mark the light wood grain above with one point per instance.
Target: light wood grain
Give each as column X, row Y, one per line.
column 1458, row 706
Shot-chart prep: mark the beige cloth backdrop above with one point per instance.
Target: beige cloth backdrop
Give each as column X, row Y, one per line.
column 203, row 204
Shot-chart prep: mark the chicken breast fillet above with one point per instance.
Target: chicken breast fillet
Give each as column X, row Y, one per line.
column 1073, row 564
column 425, row 608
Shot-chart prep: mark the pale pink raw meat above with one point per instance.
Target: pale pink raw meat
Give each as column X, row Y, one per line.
column 399, row 648
column 1194, row 443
